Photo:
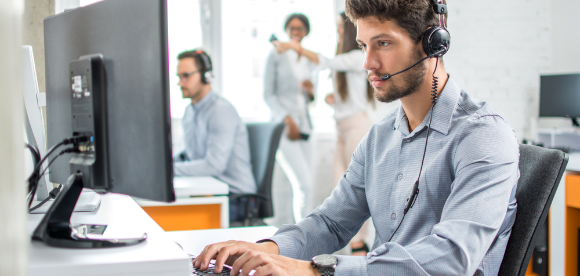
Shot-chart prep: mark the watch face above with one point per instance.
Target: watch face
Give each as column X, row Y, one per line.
column 325, row 260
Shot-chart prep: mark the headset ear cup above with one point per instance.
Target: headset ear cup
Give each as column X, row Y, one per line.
column 207, row 77
column 436, row 41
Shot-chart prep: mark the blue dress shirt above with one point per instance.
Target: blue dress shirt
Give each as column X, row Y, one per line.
column 216, row 144
column 462, row 219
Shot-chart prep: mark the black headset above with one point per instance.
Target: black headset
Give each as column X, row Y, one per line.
column 206, row 73
column 436, row 40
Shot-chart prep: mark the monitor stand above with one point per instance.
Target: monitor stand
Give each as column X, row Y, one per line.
column 55, row 228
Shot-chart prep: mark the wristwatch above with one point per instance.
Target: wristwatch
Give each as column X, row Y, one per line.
column 325, row 264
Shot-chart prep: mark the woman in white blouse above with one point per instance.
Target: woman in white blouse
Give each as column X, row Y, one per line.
column 351, row 99
column 288, row 89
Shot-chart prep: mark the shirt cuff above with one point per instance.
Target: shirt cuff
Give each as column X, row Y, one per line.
column 351, row 266
column 286, row 246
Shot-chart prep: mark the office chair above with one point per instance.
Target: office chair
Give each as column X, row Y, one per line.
column 540, row 172
column 264, row 139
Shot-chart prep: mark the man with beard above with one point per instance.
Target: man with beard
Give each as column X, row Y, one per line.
column 215, row 138
column 466, row 172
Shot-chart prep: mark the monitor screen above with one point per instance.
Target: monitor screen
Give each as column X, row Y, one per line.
column 560, row 95
column 131, row 36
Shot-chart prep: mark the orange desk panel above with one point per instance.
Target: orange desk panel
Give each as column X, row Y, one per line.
column 185, row 217
column 572, row 223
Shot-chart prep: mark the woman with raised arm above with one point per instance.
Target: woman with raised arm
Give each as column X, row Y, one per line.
column 351, row 99
column 288, row 89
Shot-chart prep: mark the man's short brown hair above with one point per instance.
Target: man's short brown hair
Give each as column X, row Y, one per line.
column 414, row 16
column 196, row 58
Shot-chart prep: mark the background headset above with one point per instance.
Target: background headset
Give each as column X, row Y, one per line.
column 206, row 73
column 436, row 41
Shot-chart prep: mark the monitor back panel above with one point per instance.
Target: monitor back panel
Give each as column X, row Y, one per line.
column 132, row 37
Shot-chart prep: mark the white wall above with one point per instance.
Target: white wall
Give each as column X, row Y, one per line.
column 565, row 41
column 13, row 234
column 497, row 53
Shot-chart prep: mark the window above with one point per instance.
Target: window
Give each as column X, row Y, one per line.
column 184, row 24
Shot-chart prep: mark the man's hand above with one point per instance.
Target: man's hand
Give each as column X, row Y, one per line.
column 269, row 264
column 292, row 129
column 228, row 252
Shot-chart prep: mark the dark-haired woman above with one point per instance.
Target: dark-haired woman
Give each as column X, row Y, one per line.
column 288, row 89
column 351, row 99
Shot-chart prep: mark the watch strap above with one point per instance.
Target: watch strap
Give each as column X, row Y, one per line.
column 326, row 271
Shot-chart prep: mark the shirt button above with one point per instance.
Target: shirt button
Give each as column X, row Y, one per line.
column 400, row 176
column 394, row 216
column 409, row 139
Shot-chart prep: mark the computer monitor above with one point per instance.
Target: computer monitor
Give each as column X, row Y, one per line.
column 560, row 96
column 33, row 123
column 121, row 104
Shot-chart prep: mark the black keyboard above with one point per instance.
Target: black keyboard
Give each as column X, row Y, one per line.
column 209, row 271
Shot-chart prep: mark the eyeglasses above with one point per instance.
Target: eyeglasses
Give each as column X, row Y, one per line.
column 300, row 29
column 184, row 76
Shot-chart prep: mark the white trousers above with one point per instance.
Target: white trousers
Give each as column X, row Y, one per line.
column 294, row 159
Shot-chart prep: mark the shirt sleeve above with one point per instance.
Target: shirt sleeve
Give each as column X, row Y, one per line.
column 485, row 163
column 349, row 61
column 333, row 224
column 270, row 88
column 223, row 126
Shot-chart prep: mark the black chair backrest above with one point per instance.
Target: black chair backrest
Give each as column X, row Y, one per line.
column 540, row 172
column 264, row 139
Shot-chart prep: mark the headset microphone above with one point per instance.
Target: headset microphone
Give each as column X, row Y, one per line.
column 438, row 53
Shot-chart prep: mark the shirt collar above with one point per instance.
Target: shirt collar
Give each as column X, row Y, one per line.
column 204, row 101
column 442, row 111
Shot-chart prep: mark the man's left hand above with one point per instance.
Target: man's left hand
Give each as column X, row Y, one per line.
column 270, row 264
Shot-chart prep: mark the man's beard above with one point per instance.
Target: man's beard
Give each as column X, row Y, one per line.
column 412, row 79
column 189, row 94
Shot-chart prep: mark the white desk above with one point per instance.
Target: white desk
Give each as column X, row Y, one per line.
column 158, row 255
column 190, row 186
column 190, row 191
column 193, row 242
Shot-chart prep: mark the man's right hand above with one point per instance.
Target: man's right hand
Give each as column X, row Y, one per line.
column 228, row 252
column 291, row 129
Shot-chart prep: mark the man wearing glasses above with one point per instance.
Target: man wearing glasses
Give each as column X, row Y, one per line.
column 215, row 138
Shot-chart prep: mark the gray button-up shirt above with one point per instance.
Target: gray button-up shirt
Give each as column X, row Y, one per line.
column 462, row 219
column 216, row 144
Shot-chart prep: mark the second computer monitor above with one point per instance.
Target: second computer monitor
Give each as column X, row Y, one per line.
column 560, row 95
